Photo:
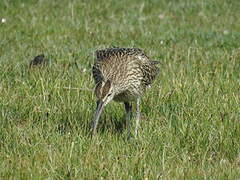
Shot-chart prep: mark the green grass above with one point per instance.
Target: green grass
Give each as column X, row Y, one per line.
column 190, row 126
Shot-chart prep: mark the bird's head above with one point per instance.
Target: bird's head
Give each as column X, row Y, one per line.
column 104, row 92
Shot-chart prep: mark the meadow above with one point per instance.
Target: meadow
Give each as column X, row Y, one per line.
column 190, row 125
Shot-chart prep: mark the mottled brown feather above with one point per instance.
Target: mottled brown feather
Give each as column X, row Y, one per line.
column 129, row 69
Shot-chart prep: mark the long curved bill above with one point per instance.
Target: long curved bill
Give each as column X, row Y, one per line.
column 100, row 105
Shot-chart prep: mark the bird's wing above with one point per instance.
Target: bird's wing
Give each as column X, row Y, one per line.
column 105, row 54
column 97, row 74
column 101, row 56
column 149, row 68
column 150, row 72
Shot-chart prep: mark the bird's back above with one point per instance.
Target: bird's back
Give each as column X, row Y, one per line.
column 128, row 68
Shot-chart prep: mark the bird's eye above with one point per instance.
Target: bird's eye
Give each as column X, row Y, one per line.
column 109, row 94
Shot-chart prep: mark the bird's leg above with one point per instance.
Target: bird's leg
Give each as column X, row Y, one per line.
column 137, row 116
column 128, row 108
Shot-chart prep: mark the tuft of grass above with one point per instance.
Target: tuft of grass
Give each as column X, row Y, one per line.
column 190, row 126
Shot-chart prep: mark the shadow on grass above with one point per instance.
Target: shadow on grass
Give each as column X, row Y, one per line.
column 69, row 124
column 113, row 125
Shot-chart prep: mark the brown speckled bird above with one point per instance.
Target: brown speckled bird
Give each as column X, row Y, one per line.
column 122, row 74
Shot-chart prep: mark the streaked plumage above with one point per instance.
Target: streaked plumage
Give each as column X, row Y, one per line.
column 122, row 74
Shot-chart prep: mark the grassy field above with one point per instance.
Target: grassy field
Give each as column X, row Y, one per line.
column 190, row 126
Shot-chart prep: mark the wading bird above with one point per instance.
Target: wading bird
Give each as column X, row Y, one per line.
column 122, row 74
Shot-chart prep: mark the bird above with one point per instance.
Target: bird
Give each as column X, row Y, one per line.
column 122, row 75
column 38, row 60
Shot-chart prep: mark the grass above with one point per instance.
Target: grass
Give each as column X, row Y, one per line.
column 190, row 126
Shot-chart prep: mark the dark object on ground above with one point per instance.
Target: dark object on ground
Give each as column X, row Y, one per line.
column 38, row 61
